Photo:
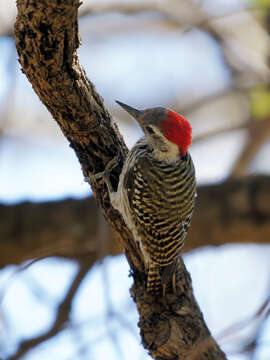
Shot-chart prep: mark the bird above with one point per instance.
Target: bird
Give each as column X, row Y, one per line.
column 156, row 192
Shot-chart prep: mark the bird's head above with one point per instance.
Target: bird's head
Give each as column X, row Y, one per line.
column 162, row 127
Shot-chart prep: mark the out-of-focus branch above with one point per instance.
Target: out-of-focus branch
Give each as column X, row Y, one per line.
column 262, row 317
column 259, row 133
column 259, row 321
column 238, row 210
column 189, row 15
column 68, row 228
column 62, row 314
column 188, row 12
column 217, row 132
column 209, row 99
column 124, row 8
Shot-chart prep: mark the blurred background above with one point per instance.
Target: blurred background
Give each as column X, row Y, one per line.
column 64, row 285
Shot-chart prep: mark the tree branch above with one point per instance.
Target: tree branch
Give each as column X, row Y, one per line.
column 239, row 208
column 236, row 209
column 62, row 317
column 47, row 39
column 258, row 135
column 217, row 132
column 68, row 228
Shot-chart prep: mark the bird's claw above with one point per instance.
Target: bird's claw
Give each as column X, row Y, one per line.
column 105, row 174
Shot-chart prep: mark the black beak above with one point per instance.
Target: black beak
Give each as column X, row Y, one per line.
column 133, row 112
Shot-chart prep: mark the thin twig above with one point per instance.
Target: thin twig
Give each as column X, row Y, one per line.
column 63, row 315
column 261, row 314
column 217, row 132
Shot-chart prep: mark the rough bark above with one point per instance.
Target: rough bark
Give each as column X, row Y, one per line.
column 46, row 33
column 238, row 211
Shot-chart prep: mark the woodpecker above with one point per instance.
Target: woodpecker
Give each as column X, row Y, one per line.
column 156, row 192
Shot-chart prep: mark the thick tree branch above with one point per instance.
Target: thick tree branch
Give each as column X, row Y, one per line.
column 236, row 211
column 46, row 34
column 239, row 208
column 68, row 228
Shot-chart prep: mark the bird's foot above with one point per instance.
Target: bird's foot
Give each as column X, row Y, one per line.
column 105, row 174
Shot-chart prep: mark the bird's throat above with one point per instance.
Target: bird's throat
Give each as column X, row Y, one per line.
column 168, row 152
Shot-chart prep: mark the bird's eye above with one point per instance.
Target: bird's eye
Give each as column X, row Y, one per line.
column 149, row 129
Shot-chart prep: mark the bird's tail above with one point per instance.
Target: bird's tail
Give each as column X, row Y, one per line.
column 162, row 279
column 153, row 279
